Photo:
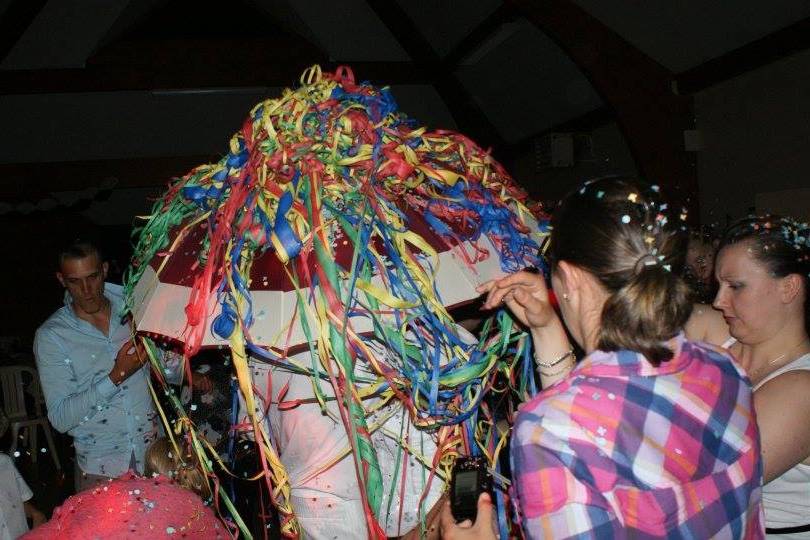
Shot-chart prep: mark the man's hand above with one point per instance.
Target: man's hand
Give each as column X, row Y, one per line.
column 130, row 358
column 483, row 528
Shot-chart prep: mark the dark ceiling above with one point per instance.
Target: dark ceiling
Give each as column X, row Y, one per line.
column 95, row 80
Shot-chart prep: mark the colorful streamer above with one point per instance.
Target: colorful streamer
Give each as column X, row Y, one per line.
column 333, row 166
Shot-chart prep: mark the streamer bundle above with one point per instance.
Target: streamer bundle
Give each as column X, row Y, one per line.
column 334, row 219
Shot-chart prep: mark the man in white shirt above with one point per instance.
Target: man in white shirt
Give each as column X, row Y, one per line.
column 314, row 449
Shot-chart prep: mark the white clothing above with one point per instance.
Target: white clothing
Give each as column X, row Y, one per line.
column 786, row 499
column 327, row 502
column 13, row 493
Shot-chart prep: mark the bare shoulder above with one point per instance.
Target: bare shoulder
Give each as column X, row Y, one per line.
column 706, row 324
column 793, row 386
column 782, row 405
column 786, row 396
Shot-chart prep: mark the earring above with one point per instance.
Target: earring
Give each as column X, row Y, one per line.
column 565, row 296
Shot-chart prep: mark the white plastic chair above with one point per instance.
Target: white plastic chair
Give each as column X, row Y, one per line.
column 13, row 383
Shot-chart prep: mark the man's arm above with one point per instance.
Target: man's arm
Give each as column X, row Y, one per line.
column 67, row 406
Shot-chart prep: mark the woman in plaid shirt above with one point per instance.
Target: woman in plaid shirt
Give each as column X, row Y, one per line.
column 650, row 435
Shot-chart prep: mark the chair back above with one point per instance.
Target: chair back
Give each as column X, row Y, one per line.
column 13, row 382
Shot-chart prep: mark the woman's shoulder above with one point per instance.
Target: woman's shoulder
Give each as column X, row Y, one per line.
column 794, row 377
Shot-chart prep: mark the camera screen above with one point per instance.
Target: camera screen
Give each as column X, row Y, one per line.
column 466, row 481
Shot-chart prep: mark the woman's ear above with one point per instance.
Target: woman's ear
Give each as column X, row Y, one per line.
column 790, row 287
column 570, row 276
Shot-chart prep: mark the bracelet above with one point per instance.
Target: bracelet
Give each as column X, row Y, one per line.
column 556, row 361
column 565, row 369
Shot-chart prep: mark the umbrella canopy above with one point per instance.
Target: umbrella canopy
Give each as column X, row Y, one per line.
column 332, row 220
column 162, row 293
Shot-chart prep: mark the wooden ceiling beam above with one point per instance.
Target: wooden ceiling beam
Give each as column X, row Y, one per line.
column 763, row 51
column 505, row 13
column 15, row 21
column 467, row 113
column 638, row 89
column 240, row 74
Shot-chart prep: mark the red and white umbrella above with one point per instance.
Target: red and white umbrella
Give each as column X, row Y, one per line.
column 163, row 291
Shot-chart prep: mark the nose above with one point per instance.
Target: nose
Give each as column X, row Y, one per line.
column 720, row 299
column 86, row 287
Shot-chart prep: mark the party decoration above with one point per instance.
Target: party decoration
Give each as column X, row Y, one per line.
column 334, row 220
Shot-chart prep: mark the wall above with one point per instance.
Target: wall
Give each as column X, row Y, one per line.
column 608, row 154
column 756, row 133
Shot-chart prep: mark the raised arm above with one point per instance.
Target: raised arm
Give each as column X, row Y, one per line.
column 526, row 296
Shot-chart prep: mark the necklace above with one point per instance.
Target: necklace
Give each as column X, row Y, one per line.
column 768, row 365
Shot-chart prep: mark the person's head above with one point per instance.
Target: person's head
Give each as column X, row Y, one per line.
column 700, row 256
column 616, row 254
column 161, row 458
column 762, row 268
column 82, row 271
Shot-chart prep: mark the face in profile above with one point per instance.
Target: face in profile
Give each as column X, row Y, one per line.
column 748, row 295
column 84, row 279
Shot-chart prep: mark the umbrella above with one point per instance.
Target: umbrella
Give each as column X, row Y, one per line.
column 160, row 296
column 332, row 217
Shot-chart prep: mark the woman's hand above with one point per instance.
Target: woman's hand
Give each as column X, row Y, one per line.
column 483, row 528
column 526, row 296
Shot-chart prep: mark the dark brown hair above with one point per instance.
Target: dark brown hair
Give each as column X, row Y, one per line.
column 781, row 244
column 77, row 248
column 616, row 229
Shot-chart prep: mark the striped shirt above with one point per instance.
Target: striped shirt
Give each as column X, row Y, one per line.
column 625, row 449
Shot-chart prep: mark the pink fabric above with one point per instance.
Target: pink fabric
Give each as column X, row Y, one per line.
column 132, row 507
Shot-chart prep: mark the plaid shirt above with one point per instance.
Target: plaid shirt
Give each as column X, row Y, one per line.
column 622, row 448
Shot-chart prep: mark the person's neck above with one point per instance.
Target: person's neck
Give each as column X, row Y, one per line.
column 589, row 327
column 100, row 319
column 762, row 359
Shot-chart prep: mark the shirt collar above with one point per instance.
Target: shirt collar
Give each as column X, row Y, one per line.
column 626, row 363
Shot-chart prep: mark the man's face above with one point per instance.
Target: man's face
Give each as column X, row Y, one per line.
column 84, row 280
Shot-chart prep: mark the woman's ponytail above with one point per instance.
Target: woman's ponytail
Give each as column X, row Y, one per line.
column 644, row 313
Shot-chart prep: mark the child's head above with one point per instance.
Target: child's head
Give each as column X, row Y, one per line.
column 161, row 458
